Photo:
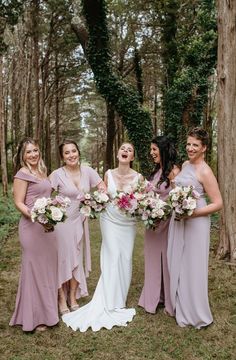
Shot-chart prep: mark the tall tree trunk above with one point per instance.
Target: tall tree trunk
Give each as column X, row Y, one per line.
column 57, row 120
column 3, row 132
column 28, row 95
column 35, row 16
column 227, row 126
column 124, row 100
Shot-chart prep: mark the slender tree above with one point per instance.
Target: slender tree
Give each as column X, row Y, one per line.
column 227, row 125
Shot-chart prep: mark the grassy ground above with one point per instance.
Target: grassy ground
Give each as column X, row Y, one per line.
column 146, row 337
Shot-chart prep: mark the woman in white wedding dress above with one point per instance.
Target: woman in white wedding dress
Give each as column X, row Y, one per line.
column 107, row 307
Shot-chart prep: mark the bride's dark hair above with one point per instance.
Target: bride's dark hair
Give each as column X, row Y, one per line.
column 168, row 157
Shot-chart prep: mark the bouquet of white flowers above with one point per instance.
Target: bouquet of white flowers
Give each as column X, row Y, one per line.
column 50, row 211
column 152, row 210
column 183, row 200
column 92, row 204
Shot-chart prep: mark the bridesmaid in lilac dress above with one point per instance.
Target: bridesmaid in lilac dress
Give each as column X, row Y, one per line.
column 156, row 287
column 188, row 243
column 73, row 180
column 36, row 301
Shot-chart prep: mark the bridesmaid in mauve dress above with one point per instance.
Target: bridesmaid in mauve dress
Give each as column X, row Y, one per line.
column 156, row 287
column 36, row 301
column 73, row 180
column 188, row 243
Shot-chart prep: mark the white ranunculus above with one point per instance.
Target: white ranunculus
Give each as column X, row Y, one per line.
column 57, row 214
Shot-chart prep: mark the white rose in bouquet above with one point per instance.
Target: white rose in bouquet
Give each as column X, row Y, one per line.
column 57, row 214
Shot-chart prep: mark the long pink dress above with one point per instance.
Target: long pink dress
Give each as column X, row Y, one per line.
column 156, row 287
column 36, row 301
column 188, row 252
column 74, row 258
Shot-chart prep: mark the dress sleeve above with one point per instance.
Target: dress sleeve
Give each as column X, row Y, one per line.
column 54, row 179
column 26, row 177
column 94, row 178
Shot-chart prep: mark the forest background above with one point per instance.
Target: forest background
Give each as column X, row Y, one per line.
column 101, row 72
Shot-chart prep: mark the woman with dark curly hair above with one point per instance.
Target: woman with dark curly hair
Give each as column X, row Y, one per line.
column 156, row 281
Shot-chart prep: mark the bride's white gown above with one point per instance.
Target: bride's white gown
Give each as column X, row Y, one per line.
column 107, row 307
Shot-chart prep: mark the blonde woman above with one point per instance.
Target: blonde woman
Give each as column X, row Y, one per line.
column 36, row 301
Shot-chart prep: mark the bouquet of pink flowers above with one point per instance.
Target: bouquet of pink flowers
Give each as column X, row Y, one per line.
column 50, row 211
column 92, row 204
column 152, row 210
column 144, row 204
column 183, row 200
column 129, row 202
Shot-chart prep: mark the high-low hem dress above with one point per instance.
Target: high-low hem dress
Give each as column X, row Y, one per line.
column 107, row 307
column 36, row 301
column 74, row 260
column 188, row 252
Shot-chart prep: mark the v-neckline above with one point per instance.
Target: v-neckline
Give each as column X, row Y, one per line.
column 137, row 175
column 68, row 176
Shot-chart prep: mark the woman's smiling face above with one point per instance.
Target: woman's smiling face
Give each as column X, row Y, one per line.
column 155, row 153
column 31, row 155
column 70, row 155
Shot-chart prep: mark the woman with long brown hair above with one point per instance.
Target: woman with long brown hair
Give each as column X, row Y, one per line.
column 73, row 180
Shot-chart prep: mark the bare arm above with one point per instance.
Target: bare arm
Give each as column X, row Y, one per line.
column 19, row 193
column 102, row 186
column 174, row 172
column 211, row 188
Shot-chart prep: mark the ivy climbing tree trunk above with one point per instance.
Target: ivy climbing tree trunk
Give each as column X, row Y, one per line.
column 123, row 99
column 227, row 126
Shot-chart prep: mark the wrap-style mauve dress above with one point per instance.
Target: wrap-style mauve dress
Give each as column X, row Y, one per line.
column 36, row 301
column 74, row 259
